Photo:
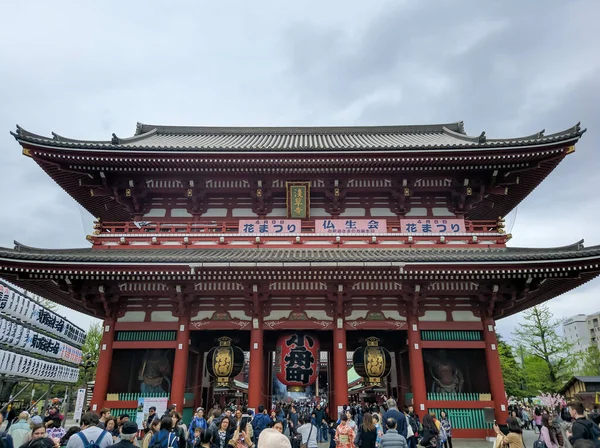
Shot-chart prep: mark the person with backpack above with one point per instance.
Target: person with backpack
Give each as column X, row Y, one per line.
column 582, row 428
column 548, row 434
column 5, row 439
column 165, row 437
column 198, row 422
column 128, row 433
column 90, row 435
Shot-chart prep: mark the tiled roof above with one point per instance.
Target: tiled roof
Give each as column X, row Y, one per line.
column 249, row 139
column 270, row 255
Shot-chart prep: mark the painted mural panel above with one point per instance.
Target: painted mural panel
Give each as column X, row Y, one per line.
column 141, row 371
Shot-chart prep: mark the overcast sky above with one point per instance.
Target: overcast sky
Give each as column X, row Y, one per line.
column 511, row 68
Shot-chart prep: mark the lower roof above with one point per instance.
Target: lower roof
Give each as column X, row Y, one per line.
column 295, row 255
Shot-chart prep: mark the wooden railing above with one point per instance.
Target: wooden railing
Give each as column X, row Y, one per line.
column 162, row 228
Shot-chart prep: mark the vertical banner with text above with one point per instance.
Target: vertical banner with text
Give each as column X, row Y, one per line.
column 298, row 200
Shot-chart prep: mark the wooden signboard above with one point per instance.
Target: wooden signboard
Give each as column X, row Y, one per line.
column 298, row 200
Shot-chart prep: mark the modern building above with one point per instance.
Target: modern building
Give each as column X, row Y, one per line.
column 576, row 332
column 389, row 240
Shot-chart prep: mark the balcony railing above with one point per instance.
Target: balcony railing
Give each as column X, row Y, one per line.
column 232, row 227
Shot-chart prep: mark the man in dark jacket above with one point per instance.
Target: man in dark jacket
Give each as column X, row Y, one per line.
column 582, row 428
column 394, row 413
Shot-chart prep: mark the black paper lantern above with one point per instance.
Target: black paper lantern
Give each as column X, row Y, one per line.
column 225, row 362
column 372, row 362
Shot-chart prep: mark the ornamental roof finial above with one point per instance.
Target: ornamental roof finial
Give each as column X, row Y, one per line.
column 482, row 137
column 115, row 139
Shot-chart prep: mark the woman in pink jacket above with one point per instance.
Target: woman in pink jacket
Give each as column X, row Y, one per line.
column 548, row 433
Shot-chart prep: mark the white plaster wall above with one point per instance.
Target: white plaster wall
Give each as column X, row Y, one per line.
column 163, row 316
column 202, row 315
column 318, row 315
column 464, row 316
column 433, row 316
column 394, row 315
column 277, row 315
column 133, row 316
column 357, row 314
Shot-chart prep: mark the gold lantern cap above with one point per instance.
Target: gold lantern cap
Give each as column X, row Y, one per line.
column 225, row 341
column 372, row 341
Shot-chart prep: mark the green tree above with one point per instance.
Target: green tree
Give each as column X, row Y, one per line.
column 511, row 370
column 539, row 335
column 91, row 352
column 590, row 365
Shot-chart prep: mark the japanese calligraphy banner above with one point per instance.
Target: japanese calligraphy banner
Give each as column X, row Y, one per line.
column 258, row 226
column 432, row 225
column 13, row 334
column 298, row 199
column 18, row 306
column 22, row 366
column 358, row 226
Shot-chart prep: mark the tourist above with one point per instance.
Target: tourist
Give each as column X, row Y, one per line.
column 293, row 416
column 128, row 434
column 151, row 417
column 278, row 425
column 90, row 431
column 153, row 428
column 271, row 438
column 220, row 436
column 260, row 422
column 344, row 434
column 104, row 416
column 537, row 418
column 526, row 418
column 351, row 421
column 7, row 437
column 309, row 432
column 70, row 432
column 378, row 428
column 54, row 430
column 430, row 434
column 366, row 436
column 394, row 413
column 20, row 430
column 447, row 425
column 548, row 432
column 391, row 438
column 112, row 428
column 321, row 424
column 581, row 427
column 198, row 422
column 514, row 438
column 179, row 428
column 242, row 436
column 165, row 437
column 38, row 438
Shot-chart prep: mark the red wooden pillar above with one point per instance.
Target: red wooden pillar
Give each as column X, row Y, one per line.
column 399, row 394
column 104, row 364
column 180, row 364
column 255, row 368
column 492, row 359
column 417, row 368
column 198, row 380
column 340, row 367
column 267, row 378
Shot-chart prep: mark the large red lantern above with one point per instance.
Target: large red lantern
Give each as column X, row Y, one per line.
column 297, row 361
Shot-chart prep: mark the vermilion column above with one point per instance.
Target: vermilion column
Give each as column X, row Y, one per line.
column 180, row 364
column 417, row 369
column 340, row 367
column 492, row 359
column 198, row 380
column 399, row 376
column 255, row 368
column 104, row 364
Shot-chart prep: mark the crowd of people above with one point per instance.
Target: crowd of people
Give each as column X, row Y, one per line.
column 295, row 425
column 564, row 427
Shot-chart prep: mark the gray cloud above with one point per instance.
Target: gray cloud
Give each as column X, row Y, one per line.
column 510, row 68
